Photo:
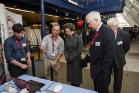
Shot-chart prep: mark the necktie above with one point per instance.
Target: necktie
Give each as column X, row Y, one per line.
column 94, row 38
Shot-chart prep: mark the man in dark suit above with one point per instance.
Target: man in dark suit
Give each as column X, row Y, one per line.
column 101, row 52
column 122, row 39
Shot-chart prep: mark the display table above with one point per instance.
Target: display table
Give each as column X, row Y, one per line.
column 49, row 85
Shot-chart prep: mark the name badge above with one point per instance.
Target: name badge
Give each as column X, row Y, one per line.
column 120, row 42
column 97, row 43
column 24, row 44
column 52, row 54
column 23, row 59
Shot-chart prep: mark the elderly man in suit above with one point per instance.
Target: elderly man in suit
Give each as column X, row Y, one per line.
column 101, row 52
column 122, row 39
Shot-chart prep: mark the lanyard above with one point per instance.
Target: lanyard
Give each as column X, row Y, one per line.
column 94, row 38
column 20, row 45
column 53, row 44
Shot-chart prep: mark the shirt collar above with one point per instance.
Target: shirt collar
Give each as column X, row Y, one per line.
column 15, row 38
column 98, row 27
column 54, row 38
column 115, row 34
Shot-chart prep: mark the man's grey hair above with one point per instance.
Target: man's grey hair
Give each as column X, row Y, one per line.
column 113, row 21
column 93, row 15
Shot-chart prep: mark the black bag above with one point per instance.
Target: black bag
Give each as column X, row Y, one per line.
column 84, row 61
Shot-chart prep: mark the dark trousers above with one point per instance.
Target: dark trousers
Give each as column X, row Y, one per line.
column 118, row 76
column 101, row 77
column 16, row 71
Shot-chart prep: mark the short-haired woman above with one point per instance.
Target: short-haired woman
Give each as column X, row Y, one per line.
column 73, row 47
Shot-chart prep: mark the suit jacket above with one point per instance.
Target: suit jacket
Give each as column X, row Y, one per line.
column 102, row 51
column 122, row 47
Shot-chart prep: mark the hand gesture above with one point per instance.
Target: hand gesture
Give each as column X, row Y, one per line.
column 42, row 48
column 52, row 62
column 24, row 66
column 29, row 62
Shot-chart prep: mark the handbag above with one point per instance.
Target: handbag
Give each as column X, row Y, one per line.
column 85, row 60
column 83, row 63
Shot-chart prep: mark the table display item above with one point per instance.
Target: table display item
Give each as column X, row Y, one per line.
column 31, row 86
column 57, row 88
column 24, row 91
column 9, row 89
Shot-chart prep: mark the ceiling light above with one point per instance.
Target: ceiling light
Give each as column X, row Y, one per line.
column 56, row 16
column 17, row 9
column 69, row 18
column 73, row 2
column 51, row 15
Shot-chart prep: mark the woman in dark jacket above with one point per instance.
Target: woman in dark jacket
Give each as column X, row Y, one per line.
column 73, row 48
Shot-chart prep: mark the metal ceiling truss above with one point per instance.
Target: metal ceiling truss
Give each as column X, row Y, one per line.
column 83, row 7
column 86, row 6
column 131, row 12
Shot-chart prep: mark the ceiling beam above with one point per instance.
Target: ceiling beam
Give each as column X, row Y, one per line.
column 66, row 5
